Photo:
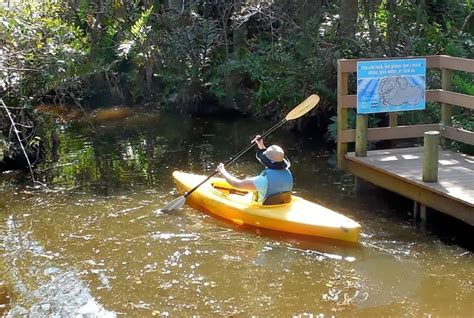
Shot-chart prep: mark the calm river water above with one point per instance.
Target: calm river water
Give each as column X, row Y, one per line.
column 94, row 242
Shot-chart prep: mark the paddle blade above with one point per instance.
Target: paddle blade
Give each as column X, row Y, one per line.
column 303, row 108
column 174, row 205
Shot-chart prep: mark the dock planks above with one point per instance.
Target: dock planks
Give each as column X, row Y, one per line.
column 400, row 170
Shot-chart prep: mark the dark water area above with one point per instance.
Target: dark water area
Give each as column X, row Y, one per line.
column 95, row 243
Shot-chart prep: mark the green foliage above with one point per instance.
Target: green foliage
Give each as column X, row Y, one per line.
column 185, row 61
column 275, row 73
column 464, row 83
column 331, row 134
column 142, row 51
column 139, row 28
column 40, row 52
column 430, row 115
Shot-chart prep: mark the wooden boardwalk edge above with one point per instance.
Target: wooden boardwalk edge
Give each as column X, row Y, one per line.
column 418, row 191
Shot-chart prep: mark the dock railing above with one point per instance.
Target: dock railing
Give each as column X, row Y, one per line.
column 448, row 99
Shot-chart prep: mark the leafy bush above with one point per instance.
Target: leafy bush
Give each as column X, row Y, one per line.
column 331, row 134
column 40, row 53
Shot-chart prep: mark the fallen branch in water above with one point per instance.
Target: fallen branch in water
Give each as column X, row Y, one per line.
column 19, row 139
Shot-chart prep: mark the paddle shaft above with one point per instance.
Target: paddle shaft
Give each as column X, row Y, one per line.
column 238, row 155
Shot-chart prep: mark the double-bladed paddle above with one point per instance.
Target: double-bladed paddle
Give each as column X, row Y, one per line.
column 297, row 112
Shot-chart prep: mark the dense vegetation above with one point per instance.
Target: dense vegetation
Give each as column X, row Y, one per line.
column 253, row 57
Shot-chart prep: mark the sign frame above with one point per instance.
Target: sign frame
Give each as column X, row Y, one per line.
column 391, row 85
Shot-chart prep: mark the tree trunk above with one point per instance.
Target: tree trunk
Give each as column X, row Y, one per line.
column 230, row 80
column 468, row 25
column 370, row 8
column 349, row 12
column 239, row 36
column 175, row 5
column 309, row 9
column 419, row 15
column 392, row 27
column 97, row 28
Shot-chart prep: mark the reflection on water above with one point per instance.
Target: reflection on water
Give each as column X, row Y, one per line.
column 48, row 289
column 94, row 243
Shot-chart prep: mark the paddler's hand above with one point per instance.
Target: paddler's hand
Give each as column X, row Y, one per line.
column 221, row 168
column 259, row 141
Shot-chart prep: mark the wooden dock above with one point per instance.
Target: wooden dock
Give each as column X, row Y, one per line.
column 400, row 171
column 451, row 175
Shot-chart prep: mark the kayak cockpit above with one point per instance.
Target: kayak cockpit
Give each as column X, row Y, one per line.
column 223, row 188
column 226, row 188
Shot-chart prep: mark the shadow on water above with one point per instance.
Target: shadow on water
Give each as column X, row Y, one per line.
column 97, row 232
column 325, row 248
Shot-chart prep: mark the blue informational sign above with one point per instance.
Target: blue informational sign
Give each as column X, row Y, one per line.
column 391, row 85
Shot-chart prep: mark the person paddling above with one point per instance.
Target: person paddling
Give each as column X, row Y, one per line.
column 274, row 184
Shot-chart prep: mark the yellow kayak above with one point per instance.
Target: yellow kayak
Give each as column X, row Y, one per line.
column 218, row 197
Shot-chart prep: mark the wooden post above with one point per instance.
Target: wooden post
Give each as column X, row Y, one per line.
column 342, row 90
column 416, row 212
column 361, row 136
column 430, row 156
column 420, row 214
column 446, row 109
column 393, row 119
column 393, row 123
column 423, row 214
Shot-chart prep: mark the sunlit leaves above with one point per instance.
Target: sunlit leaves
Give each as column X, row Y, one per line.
column 83, row 9
column 125, row 48
column 137, row 36
column 39, row 46
column 139, row 28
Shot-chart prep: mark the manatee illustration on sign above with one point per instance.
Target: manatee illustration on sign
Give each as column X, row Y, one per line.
column 396, row 91
column 391, row 85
